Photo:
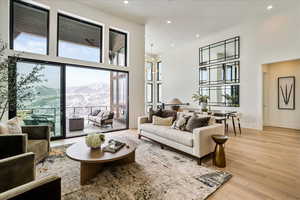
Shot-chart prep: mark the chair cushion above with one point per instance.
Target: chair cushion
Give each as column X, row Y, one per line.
column 181, row 137
column 96, row 112
column 39, row 147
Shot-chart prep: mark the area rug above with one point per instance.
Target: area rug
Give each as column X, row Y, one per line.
column 158, row 174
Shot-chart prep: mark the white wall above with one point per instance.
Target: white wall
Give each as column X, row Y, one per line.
column 136, row 46
column 270, row 39
column 274, row 116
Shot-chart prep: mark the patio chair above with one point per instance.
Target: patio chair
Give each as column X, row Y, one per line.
column 103, row 118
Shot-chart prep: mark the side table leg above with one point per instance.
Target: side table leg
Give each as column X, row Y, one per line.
column 219, row 159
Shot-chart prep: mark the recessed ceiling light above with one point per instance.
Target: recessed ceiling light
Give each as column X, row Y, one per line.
column 169, row 22
column 125, row 2
column 270, row 7
column 197, row 35
column 172, row 45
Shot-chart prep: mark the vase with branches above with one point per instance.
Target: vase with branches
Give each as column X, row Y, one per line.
column 16, row 88
column 202, row 99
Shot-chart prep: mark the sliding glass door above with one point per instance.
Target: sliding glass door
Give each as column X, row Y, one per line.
column 38, row 95
column 72, row 100
column 96, row 100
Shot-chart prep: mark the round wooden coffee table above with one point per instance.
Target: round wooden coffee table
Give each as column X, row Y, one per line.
column 92, row 161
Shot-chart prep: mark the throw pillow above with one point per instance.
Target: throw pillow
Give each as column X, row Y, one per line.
column 3, row 128
column 169, row 113
column 162, row 121
column 181, row 122
column 12, row 126
column 196, row 122
column 154, row 113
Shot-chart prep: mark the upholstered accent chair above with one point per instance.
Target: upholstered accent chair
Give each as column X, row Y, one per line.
column 34, row 139
column 17, row 180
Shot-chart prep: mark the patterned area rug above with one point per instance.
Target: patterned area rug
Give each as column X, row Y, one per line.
column 157, row 174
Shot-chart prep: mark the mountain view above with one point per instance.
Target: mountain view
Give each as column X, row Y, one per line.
column 97, row 94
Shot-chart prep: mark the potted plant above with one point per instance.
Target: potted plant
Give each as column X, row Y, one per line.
column 202, row 99
column 231, row 100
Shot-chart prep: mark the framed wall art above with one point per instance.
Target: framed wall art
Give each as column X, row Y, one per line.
column 286, row 93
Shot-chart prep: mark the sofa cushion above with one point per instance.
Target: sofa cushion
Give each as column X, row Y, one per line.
column 169, row 113
column 162, row 121
column 39, row 147
column 181, row 137
column 154, row 113
column 181, row 122
column 196, row 122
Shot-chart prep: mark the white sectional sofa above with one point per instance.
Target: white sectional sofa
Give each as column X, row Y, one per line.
column 198, row 143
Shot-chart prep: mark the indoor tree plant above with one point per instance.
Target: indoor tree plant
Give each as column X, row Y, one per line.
column 22, row 85
column 202, row 99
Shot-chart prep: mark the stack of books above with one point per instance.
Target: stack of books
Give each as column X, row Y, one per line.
column 113, row 146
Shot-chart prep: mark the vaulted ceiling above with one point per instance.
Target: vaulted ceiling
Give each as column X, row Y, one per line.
column 188, row 17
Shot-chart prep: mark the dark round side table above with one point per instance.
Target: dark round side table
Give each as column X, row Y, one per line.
column 219, row 154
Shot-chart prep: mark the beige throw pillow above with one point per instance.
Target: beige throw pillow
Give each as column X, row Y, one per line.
column 12, row 126
column 3, row 128
column 162, row 121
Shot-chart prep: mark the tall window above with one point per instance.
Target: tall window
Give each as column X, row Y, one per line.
column 29, row 28
column 159, row 74
column 78, row 39
column 117, row 48
column 153, row 85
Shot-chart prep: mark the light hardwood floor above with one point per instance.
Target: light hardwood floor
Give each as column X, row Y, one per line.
column 265, row 165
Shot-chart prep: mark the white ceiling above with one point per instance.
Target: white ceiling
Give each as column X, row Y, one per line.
column 189, row 17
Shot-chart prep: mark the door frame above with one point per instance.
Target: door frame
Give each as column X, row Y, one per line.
column 12, row 112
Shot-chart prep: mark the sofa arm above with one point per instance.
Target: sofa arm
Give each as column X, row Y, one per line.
column 48, row 188
column 12, row 145
column 203, row 143
column 37, row 132
column 16, row 171
column 142, row 120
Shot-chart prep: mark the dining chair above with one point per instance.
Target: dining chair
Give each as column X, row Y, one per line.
column 235, row 116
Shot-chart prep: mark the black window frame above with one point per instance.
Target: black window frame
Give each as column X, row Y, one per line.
column 224, row 79
column 81, row 21
column 224, row 43
column 126, row 44
column 159, row 78
column 151, row 71
column 159, row 89
column 223, row 88
column 11, row 24
column 11, row 89
column 151, row 92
